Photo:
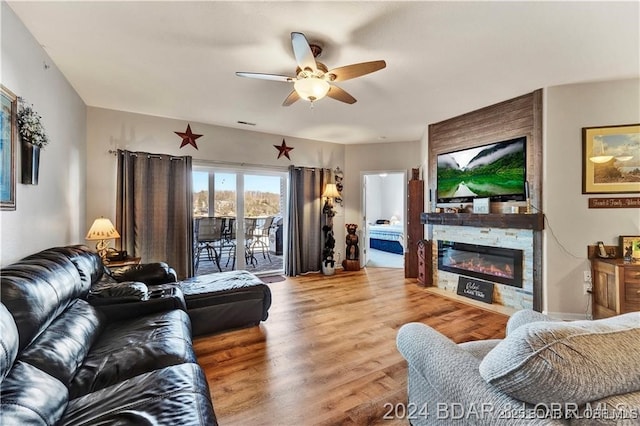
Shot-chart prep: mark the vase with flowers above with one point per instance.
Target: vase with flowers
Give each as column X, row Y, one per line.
column 33, row 138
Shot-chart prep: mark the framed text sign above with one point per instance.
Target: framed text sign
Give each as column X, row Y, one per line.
column 475, row 289
column 614, row 203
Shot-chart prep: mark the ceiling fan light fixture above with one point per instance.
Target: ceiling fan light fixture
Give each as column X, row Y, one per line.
column 312, row 88
column 313, row 80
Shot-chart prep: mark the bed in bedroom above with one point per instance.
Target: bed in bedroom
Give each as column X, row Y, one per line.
column 386, row 237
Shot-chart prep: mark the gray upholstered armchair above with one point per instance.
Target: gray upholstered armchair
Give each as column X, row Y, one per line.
column 544, row 372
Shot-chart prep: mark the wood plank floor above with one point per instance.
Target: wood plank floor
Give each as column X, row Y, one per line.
column 327, row 354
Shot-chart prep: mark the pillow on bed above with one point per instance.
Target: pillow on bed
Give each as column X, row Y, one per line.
column 382, row 222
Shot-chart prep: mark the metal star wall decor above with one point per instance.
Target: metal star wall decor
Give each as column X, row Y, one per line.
column 188, row 137
column 283, row 149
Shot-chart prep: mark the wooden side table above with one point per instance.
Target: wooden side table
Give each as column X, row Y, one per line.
column 124, row 262
column 616, row 287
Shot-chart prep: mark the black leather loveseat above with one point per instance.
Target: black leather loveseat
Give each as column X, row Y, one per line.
column 66, row 361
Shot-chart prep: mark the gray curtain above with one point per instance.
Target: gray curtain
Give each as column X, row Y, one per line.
column 304, row 251
column 154, row 209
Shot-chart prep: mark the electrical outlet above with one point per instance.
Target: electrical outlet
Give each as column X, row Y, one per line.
column 587, row 276
column 587, row 288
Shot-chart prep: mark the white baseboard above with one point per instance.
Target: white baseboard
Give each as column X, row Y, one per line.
column 567, row 316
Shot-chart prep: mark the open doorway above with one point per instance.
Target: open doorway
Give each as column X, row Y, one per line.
column 384, row 207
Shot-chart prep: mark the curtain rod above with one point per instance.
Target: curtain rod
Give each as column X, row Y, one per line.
column 149, row 155
column 198, row 162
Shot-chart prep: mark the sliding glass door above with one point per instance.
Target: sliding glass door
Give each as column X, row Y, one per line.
column 239, row 220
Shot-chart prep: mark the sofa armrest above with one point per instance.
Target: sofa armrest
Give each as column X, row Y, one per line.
column 121, row 292
column 523, row 317
column 439, row 361
column 161, row 298
column 148, row 273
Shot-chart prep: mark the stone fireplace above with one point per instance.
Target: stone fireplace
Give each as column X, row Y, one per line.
column 511, row 250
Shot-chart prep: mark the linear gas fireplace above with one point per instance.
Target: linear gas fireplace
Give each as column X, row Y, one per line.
column 495, row 264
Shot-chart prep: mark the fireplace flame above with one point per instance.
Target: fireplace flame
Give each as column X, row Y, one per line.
column 480, row 266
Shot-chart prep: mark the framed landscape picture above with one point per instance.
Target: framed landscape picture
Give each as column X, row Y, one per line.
column 7, row 150
column 611, row 159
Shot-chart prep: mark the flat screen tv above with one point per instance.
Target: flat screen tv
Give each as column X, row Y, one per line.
column 496, row 171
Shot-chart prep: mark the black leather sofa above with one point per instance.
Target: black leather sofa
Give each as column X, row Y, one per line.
column 71, row 354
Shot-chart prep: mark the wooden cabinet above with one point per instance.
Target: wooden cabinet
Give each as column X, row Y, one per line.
column 616, row 287
column 631, row 285
column 415, row 228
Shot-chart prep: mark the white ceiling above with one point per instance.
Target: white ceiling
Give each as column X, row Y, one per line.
column 178, row 59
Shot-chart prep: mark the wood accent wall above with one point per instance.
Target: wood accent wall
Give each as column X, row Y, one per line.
column 521, row 116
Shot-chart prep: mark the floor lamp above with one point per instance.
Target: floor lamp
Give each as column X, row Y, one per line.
column 328, row 262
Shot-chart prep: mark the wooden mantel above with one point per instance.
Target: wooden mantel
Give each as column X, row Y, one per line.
column 492, row 220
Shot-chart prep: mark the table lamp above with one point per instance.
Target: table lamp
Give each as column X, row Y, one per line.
column 330, row 192
column 102, row 230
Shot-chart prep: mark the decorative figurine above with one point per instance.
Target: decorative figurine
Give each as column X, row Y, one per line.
column 339, row 176
column 352, row 256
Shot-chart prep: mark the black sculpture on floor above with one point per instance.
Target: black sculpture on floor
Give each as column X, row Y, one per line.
column 329, row 244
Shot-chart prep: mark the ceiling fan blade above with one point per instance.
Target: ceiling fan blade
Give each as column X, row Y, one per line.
column 340, row 95
column 261, row 76
column 356, row 70
column 293, row 97
column 302, row 52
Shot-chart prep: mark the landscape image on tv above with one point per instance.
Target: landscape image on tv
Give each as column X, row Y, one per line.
column 496, row 171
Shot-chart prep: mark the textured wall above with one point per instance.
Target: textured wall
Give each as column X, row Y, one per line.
column 51, row 213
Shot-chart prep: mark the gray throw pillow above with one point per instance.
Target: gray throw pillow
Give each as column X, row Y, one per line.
column 567, row 362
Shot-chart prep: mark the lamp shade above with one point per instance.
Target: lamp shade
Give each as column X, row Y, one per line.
column 330, row 191
column 311, row 88
column 102, row 229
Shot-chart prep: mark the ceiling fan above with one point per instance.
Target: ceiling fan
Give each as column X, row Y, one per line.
column 313, row 81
